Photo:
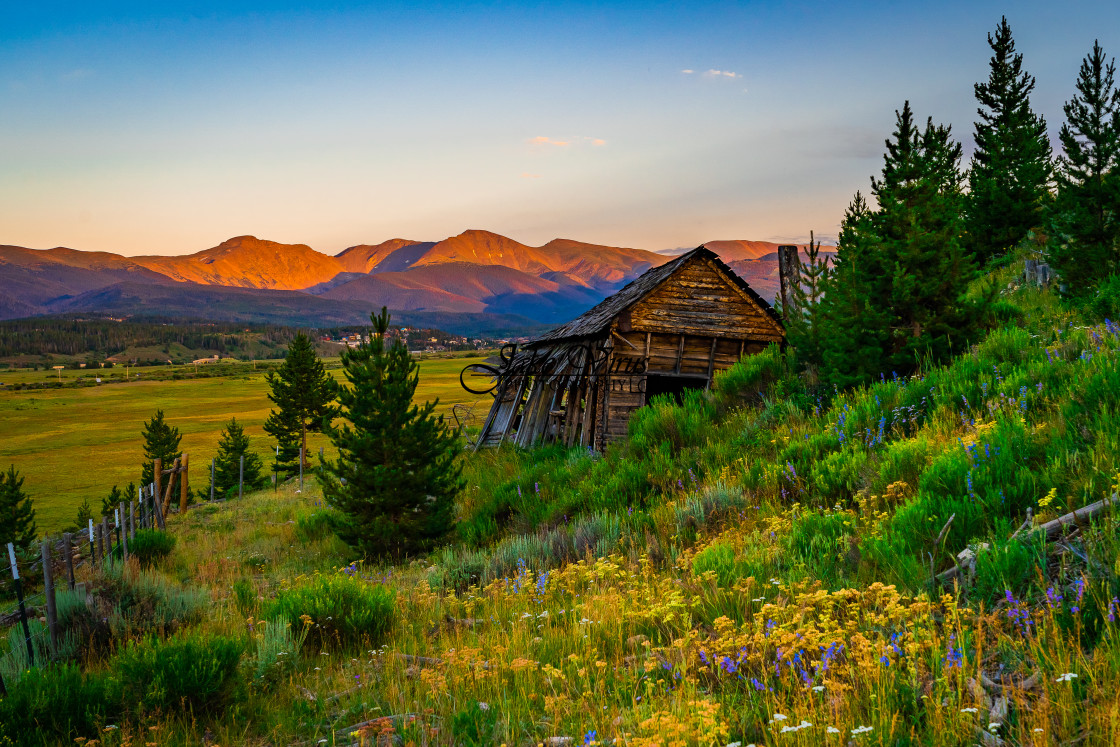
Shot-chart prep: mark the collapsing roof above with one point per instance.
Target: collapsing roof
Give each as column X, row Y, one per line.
column 670, row 329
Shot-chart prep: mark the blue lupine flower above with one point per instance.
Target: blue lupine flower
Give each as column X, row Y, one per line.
column 590, row 736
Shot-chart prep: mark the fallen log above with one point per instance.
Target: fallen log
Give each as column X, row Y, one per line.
column 1051, row 530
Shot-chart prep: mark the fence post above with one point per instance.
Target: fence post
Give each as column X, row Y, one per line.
column 157, row 485
column 48, row 592
column 211, row 478
column 22, row 608
column 183, row 485
column 92, row 544
column 106, row 539
column 68, row 553
column 132, row 519
column 157, row 508
column 241, row 478
column 123, row 536
column 99, row 548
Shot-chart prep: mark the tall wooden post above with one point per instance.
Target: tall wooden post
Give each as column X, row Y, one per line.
column 68, row 554
column 157, row 492
column 132, row 520
column 122, row 524
column 789, row 277
column 241, row 478
column 183, row 484
column 48, row 592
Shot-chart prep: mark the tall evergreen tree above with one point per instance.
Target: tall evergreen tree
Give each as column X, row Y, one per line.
column 918, row 225
column 303, row 393
column 396, row 476
column 160, row 441
column 1085, row 228
column 898, row 290
column 232, row 445
column 17, row 515
column 857, row 326
column 111, row 502
column 1009, row 182
column 805, row 330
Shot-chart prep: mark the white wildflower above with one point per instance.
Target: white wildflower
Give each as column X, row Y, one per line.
column 832, row 730
column 818, row 689
column 969, row 710
column 1066, row 677
column 778, row 717
column 862, row 730
column 484, row 706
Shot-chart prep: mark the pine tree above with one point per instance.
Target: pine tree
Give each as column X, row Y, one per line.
column 396, row 476
column 303, row 393
column 1085, row 228
column 232, row 445
column 111, row 502
column 805, row 330
column 85, row 513
column 161, row 441
column 898, row 290
column 855, row 325
column 1011, row 171
column 918, row 225
column 17, row 515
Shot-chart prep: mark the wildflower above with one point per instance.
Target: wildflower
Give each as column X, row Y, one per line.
column 589, row 737
column 969, row 710
column 861, row 730
column 884, row 661
column 757, row 685
column 1066, row 677
column 778, row 717
column 832, row 730
column 818, row 689
column 1112, row 607
column 484, row 706
column 994, row 726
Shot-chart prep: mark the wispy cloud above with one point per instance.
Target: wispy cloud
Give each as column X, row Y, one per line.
column 542, row 140
column 686, row 71
column 713, row 73
column 527, row 175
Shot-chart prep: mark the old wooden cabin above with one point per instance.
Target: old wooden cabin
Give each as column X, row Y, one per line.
column 673, row 328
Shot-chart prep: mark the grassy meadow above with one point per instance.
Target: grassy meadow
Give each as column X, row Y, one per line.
column 75, row 442
column 756, row 566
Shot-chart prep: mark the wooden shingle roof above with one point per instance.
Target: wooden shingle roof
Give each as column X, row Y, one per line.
column 595, row 322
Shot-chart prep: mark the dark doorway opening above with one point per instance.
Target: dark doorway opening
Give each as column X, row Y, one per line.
column 672, row 385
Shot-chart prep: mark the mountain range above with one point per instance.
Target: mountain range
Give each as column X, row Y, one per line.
column 475, row 283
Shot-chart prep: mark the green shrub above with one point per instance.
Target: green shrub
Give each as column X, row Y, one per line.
column 1106, row 304
column 718, row 557
column 126, row 603
column 316, row 525
column 344, row 610
column 151, row 545
column 245, row 595
column 56, row 705
column 1007, row 566
column 278, row 644
column 194, row 668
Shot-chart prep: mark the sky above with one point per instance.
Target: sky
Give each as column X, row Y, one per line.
column 166, row 128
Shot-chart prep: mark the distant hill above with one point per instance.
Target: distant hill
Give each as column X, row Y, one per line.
column 477, row 273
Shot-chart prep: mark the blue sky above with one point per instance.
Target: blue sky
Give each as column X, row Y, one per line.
column 165, row 129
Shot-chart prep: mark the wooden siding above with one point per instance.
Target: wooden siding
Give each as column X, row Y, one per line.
column 698, row 300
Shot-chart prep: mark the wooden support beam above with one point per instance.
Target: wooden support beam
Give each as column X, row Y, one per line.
column 680, row 355
column 514, row 407
column 620, row 337
column 494, row 409
column 711, row 363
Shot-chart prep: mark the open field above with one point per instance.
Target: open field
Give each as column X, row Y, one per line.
column 76, row 443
